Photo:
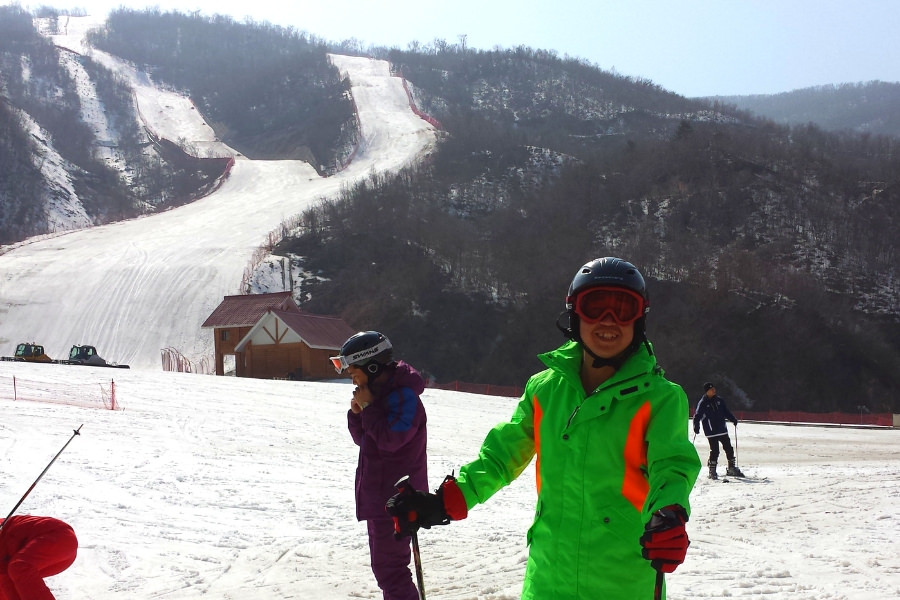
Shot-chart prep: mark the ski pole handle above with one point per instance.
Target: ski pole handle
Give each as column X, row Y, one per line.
column 404, row 486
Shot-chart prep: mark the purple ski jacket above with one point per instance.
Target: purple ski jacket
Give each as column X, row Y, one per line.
column 392, row 437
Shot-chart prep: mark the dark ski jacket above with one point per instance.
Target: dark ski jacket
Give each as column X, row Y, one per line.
column 392, row 436
column 713, row 413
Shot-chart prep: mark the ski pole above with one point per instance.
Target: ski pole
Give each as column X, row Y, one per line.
column 418, row 559
column 405, row 487
column 657, row 589
column 736, row 461
column 25, row 495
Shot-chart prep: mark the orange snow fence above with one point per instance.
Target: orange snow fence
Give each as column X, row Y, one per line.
column 826, row 418
column 89, row 395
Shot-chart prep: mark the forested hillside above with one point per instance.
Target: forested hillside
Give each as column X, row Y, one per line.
column 772, row 251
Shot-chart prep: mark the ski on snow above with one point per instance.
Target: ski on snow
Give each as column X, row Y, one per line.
column 743, row 479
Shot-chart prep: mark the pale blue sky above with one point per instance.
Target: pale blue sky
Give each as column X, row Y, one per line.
column 691, row 47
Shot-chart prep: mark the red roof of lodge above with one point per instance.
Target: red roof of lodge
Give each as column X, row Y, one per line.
column 318, row 331
column 246, row 310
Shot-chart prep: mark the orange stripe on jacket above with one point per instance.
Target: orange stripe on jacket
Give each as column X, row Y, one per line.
column 635, row 486
column 538, row 416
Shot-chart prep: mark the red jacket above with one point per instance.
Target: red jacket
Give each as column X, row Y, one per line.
column 21, row 529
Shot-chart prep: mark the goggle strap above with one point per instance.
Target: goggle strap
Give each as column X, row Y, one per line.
column 358, row 357
column 341, row 362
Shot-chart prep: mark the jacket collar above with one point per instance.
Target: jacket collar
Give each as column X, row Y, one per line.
column 566, row 360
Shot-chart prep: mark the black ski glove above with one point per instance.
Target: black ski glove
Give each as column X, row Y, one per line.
column 665, row 540
column 412, row 509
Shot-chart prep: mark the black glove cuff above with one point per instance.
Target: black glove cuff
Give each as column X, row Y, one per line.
column 667, row 518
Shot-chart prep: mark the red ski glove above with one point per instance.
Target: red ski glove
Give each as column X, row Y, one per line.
column 665, row 540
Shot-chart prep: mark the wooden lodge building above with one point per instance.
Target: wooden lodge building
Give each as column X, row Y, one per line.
column 270, row 337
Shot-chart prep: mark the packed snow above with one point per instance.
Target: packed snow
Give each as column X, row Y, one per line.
column 219, row 487
column 136, row 287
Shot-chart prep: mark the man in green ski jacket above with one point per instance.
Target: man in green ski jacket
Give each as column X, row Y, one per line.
column 614, row 465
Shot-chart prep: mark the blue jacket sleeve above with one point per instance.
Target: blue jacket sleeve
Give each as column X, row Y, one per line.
column 392, row 424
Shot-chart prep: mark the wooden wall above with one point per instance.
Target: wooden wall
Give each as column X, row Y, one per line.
column 282, row 361
column 226, row 346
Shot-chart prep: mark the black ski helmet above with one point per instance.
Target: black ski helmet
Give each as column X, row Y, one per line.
column 603, row 272
column 608, row 271
column 369, row 350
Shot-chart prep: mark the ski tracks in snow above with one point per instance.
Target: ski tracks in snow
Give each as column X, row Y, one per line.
column 230, row 488
column 739, row 531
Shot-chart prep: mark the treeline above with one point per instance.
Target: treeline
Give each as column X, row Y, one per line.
column 268, row 91
column 772, row 251
column 870, row 107
column 562, row 103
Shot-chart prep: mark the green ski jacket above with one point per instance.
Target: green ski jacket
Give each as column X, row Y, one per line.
column 605, row 462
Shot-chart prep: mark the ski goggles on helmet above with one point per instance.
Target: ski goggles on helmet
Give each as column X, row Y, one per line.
column 341, row 362
column 623, row 305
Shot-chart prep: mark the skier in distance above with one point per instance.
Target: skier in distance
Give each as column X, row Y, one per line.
column 712, row 412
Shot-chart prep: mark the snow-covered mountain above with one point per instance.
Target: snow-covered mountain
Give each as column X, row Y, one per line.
column 136, row 287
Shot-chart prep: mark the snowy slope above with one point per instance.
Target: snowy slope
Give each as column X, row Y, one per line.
column 135, row 287
column 224, row 488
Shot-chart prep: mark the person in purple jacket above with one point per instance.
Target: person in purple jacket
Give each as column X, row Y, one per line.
column 387, row 421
